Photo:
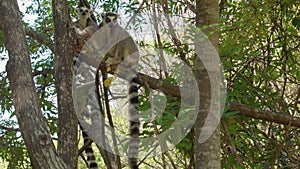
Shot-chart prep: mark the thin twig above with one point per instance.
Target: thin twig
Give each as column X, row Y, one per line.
column 174, row 37
column 135, row 13
column 110, row 120
column 162, row 62
column 103, row 151
column 161, row 142
column 232, row 146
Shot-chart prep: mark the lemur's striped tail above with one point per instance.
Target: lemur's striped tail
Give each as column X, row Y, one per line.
column 91, row 159
column 133, row 147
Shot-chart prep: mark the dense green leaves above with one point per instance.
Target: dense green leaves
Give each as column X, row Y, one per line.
column 260, row 54
column 259, row 49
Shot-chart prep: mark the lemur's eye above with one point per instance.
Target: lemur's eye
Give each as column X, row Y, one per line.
column 115, row 19
column 80, row 10
column 107, row 20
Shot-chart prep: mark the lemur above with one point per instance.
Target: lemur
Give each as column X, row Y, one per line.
column 124, row 51
column 84, row 28
column 109, row 17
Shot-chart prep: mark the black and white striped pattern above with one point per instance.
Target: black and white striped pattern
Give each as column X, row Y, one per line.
column 133, row 146
column 90, row 156
column 125, row 53
column 91, row 160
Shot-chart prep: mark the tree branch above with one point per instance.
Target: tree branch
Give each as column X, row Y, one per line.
column 190, row 5
column 174, row 90
column 265, row 115
column 174, row 37
column 9, row 129
column 43, row 72
column 135, row 13
column 40, row 38
column 244, row 110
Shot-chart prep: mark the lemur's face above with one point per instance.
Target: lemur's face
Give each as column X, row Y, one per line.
column 109, row 17
column 83, row 12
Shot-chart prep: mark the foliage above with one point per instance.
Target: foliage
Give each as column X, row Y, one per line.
column 12, row 147
column 260, row 53
column 259, row 49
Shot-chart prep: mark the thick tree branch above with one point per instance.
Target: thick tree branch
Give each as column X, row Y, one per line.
column 244, row 110
column 143, row 79
column 265, row 115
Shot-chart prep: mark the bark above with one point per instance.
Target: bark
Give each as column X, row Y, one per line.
column 64, row 39
column 207, row 154
column 32, row 124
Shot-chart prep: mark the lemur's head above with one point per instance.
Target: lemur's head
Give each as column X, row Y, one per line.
column 83, row 12
column 109, row 17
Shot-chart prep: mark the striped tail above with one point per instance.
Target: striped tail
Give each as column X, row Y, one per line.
column 91, row 159
column 133, row 146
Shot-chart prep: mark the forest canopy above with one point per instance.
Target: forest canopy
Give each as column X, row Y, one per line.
column 254, row 44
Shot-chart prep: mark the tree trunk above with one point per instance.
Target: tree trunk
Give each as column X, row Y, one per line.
column 207, row 154
column 63, row 71
column 32, row 124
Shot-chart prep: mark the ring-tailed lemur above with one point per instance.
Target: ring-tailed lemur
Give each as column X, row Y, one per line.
column 109, row 17
column 124, row 52
column 85, row 27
